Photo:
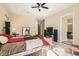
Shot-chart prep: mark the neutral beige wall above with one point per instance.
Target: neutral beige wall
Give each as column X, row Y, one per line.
column 3, row 12
column 54, row 21
column 76, row 25
column 17, row 21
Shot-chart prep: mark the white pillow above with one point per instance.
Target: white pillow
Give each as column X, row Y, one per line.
column 3, row 39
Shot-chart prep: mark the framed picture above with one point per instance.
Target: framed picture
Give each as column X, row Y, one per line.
column 25, row 31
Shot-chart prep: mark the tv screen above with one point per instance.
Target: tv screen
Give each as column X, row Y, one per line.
column 50, row 30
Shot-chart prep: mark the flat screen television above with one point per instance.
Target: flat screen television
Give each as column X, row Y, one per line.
column 50, row 30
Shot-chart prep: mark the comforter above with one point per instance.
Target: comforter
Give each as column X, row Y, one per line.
column 18, row 45
column 12, row 48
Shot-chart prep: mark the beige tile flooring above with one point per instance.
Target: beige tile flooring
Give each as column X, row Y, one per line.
column 62, row 49
column 62, row 46
column 45, row 51
column 57, row 45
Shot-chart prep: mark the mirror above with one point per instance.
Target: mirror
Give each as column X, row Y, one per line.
column 25, row 31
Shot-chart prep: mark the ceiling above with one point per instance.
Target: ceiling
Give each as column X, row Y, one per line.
column 25, row 9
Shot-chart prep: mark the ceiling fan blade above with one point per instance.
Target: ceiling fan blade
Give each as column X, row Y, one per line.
column 35, row 7
column 38, row 4
column 45, row 7
column 43, row 4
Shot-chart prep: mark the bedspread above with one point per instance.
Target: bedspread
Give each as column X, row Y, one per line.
column 12, row 48
column 18, row 45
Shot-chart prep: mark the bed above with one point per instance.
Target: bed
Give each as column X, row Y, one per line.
column 20, row 46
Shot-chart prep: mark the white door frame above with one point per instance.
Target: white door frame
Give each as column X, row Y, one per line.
column 61, row 18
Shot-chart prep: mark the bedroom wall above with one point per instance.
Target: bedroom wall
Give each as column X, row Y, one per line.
column 17, row 21
column 3, row 12
column 54, row 21
column 76, row 25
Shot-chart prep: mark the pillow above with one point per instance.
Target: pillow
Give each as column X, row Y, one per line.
column 6, row 35
column 3, row 39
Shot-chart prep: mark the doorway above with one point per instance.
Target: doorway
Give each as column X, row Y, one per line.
column 41, row 24
column 67, row 28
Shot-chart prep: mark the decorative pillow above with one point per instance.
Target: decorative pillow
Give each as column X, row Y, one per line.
column 3, row 39
column 6, row 35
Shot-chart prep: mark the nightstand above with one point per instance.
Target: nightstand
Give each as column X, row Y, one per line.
column 15, row 35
